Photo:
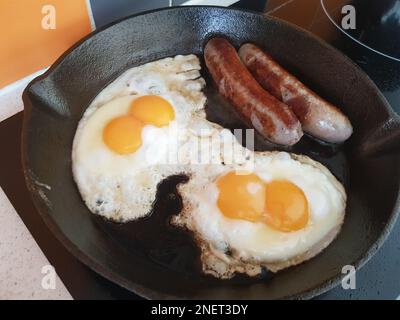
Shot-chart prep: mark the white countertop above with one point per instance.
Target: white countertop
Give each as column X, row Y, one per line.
column 22, row 261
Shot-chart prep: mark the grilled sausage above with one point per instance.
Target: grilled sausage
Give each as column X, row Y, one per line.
column 317, row 116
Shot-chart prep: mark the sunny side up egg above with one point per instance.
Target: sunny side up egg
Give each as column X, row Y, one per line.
column 120, row 149
column 287, row 210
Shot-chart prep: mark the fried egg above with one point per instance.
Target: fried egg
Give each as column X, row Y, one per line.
column 122, row 142
column 285, row 211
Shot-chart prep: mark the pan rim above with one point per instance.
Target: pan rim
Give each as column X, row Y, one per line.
column 129, row 284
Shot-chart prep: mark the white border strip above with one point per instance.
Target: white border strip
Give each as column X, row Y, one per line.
column 11, row 96
column 90, row 13
column 209, row 2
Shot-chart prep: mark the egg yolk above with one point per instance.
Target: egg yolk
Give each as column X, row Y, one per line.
column 241, row 196
column 286, row 206
column 152, row 110
column 280, row 204
column 123, row 134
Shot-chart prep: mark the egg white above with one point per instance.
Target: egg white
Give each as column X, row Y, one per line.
column 123, row 187
column 234, row 245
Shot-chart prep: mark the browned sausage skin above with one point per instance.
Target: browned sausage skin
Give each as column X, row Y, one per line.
column 270, row 117
column 317, row 116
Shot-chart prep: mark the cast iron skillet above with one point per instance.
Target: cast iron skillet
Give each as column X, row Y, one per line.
column 148, row 256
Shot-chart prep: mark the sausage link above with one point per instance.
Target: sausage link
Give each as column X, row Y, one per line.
column 270, row 117
column 317, row 116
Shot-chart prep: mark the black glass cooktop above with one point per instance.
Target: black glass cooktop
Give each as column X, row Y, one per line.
column 374, row 45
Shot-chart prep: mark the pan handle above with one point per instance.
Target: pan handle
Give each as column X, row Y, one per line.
column 48, row 96
column 384, row 139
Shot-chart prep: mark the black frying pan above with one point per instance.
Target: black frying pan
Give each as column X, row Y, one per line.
column 148, row 256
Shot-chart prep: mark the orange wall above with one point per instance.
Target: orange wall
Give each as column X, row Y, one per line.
column 25, row 47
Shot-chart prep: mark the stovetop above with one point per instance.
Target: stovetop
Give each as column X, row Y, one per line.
column 378, row 279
